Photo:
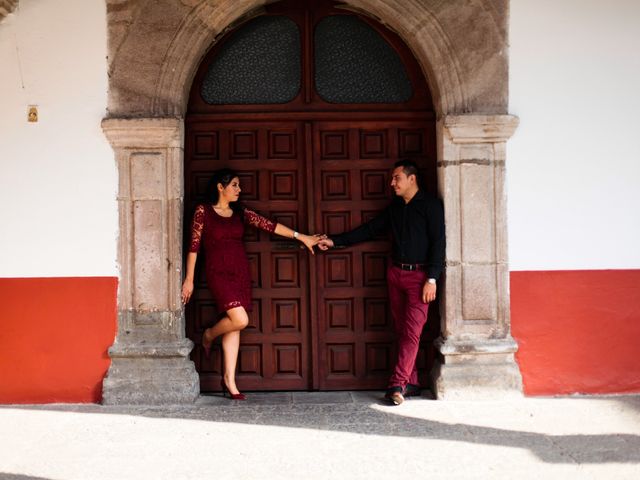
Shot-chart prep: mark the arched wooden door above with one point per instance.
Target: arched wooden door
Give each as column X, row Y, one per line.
column 312, row 105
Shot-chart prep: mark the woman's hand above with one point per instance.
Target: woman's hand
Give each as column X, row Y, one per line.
column 187, row 290
column 310, row 241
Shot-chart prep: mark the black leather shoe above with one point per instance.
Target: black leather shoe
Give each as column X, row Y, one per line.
column 394, row 395
column 412, row 390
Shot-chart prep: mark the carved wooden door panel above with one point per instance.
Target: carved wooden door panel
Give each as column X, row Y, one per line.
column 320, row 322
column 352, row 164
column 269, row 157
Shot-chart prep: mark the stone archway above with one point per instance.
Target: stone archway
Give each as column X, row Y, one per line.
column 155, row 48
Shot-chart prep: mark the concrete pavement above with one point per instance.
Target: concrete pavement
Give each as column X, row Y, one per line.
column 333, row 435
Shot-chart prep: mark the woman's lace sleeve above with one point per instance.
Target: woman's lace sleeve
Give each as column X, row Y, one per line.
column 258, row 221
column 196, row 228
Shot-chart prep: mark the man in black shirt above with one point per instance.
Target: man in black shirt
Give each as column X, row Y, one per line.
column 416, row 220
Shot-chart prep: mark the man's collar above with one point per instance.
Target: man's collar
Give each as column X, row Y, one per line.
column 417, row 196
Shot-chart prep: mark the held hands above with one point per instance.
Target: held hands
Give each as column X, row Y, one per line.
column 319, row 239
column 310, row 241
column 325, row 243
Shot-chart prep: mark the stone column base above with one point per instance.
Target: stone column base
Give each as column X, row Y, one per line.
column 151, row 375
column 476, row 370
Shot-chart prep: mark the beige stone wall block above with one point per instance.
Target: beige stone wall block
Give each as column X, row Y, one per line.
column 501, row 226
column 124, row 173
column 451, row 301
column 175, row 174
column 125, row 254
column 477, row 328
column 174, row 254
column 448, row 151
column 148, row 175
column 480, row 128
column 477, row 213
column 464, row 381
column 500, row 151
column 144, row 133
column 449, row 178
column 479, row 296
column 503, row 326
column 481, row 153
column 149, row 259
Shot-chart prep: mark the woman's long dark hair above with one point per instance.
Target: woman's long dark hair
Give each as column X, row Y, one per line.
column 224, row 177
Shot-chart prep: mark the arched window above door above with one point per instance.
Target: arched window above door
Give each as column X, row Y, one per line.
column 259, row 64
column 309, row 56
column 354, row 64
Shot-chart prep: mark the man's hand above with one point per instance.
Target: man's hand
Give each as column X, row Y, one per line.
column 428, row 292
column 325, row 243
column 309, row 241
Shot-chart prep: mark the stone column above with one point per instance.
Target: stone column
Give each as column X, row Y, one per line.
column 476, row 346
column 149, row 359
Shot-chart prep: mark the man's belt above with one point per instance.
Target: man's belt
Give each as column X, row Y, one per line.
column 410, row 266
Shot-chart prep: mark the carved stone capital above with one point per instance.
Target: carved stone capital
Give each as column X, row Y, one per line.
column 144, row 132
column 480, row 128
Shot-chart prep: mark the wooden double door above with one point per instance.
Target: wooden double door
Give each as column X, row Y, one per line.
column 318, row 322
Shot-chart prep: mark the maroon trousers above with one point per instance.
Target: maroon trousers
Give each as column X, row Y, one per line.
column 409, row 315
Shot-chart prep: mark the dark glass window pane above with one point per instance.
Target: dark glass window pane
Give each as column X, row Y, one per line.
column 259, row 64
column 354, row 64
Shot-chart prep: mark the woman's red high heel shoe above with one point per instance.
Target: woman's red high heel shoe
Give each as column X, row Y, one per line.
column 234, row 396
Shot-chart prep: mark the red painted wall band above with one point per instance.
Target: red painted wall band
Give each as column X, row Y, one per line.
column 577, row 331
column 54, row 337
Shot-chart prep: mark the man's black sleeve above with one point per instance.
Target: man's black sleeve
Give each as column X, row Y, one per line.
column 437, row 244
column 366, row 231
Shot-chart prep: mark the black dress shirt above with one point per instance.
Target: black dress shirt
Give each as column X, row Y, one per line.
column 417, row 228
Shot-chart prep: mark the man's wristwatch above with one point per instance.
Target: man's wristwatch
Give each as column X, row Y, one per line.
column 295, row 234
column 431, row 281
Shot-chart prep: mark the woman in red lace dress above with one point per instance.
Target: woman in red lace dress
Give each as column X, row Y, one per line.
column 218, row 227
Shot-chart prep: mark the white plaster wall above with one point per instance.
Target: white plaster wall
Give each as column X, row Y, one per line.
column 58, row 179
column 573, row 166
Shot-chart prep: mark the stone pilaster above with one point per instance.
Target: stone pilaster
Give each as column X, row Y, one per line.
column 476, row 347
column 149, row 359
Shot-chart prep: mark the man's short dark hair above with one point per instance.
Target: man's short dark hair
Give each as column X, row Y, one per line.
column 409, row 167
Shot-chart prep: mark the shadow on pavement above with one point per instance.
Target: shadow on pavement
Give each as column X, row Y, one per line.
column 370, row 418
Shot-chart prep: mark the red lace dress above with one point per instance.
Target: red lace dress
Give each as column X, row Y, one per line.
column 226, row 264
